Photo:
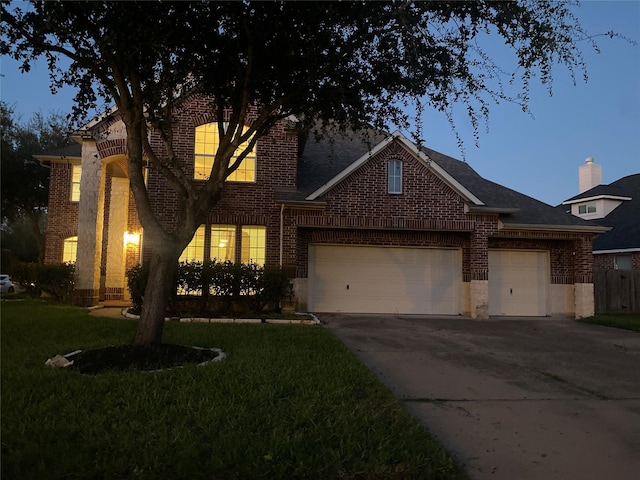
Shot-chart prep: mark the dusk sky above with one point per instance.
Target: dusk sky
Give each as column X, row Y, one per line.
column 538, row 156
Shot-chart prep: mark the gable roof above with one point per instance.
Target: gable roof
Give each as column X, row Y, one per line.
column 419, row 154
column 624, row 220
column 324, row 163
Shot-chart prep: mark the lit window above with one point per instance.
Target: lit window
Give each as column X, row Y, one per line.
column 223, row 243
column 622, row 262
column 587, row 208
column 253, row 245
column 195, row 250
column 70, row 250
column 76, row 171
column 206, row 146
column 395, row 176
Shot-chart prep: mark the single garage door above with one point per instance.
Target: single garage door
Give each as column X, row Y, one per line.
column 384, row 280
column 518, row 283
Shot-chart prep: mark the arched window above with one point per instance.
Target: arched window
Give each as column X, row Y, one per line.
column 206, row 146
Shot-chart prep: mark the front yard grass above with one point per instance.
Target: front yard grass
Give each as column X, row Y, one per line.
column 627, row 321
column 288, row 402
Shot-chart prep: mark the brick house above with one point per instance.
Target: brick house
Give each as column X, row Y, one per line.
column 369, row 224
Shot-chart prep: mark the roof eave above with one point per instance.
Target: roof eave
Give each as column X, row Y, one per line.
column 47, row 160
column 617, row 250
column 485, row 209
column 556, row 228
column 306, row 204
column 596, row 197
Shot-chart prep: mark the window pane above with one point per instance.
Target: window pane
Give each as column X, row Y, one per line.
column 395, row 176
column 622, row 262
column 223, row 243
column 76, row 171
column 253, row 245
column 70, row 250
column 195, row 250
column 205, row 148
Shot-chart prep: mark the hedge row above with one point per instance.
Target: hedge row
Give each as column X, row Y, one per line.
column 220, row 287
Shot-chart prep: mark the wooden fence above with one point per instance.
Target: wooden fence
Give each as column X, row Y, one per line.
column 616, row 291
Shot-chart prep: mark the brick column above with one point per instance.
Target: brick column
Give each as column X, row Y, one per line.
column 485, row 225
column 583, row 277
column 90, row 220
column 116, row 248
column 479, row 276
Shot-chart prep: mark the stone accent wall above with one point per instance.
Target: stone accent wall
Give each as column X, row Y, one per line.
column 90, row 225
column 584, row 306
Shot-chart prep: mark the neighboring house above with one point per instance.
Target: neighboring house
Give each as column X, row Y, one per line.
column 617, row 206
column 369, row 225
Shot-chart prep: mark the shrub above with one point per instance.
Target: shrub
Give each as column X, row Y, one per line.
column 275, row 287
column 235, row 288
column 137, row 277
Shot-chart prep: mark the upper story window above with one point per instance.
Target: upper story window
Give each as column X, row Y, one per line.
column 394, row 176
column 206, row 146
column 76, row 172
column 587, row 208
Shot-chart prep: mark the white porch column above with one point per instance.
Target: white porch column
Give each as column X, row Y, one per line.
column 90, row 221
column 116, row 248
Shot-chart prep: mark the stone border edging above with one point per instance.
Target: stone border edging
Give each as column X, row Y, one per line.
column 275, row 321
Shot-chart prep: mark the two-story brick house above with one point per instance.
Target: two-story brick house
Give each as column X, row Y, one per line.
column 369, row 224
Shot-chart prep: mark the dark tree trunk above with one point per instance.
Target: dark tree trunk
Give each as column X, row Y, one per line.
column 159, row 289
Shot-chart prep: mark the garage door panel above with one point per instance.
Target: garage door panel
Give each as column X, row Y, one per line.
column 384, row 280
column 518, row 283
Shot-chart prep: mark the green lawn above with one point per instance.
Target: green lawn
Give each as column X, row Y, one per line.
column 287, row 402
column 627, row 321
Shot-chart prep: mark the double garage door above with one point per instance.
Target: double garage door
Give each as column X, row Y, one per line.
column 361, row 279
column 384, row 280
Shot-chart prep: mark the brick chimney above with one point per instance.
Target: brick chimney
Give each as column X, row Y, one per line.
column 589, row 175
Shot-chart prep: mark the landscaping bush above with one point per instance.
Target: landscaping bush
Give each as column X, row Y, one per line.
column 56, row 280
column 220, row 288
column 137, row 277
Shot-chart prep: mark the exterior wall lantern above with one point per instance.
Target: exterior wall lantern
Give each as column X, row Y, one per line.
column 131, row 240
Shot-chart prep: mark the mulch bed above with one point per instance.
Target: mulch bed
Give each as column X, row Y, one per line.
column 134, row 357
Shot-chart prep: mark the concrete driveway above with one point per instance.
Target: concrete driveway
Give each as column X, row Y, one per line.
column 512, row 399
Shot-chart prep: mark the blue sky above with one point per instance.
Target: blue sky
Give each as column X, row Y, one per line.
column 538, row 156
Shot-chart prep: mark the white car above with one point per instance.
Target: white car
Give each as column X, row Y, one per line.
column 6, row 285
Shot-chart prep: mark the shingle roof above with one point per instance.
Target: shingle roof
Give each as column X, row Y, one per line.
column 530, row 211
column 73, row 150
column 324, row 159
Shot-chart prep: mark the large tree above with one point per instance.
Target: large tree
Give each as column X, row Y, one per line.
column 24, row 182
column 352, row 64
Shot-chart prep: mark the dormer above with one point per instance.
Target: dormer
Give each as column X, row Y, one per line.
column 594, row 207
